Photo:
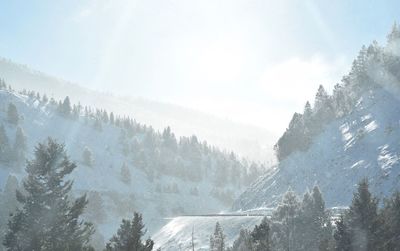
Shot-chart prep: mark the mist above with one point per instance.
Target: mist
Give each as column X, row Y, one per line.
column 221, row 125
column 223, row 58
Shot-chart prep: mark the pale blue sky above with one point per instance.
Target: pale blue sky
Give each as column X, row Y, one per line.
column 249, row 61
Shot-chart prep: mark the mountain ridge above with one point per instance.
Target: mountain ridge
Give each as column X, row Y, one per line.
column 247, row 140
column 345, row 137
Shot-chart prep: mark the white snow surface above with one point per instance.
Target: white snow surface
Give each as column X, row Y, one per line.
column 177, row 233
column 120, row 199
column 365, row 143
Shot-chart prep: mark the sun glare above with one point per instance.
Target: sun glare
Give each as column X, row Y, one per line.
column 213, row 62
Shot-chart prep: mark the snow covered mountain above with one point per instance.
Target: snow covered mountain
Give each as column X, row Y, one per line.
column 123, row 166
column 351, row 134
column 246, row 140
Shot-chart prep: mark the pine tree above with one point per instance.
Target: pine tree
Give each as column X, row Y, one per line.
column 53, row 102
column 47, row 219
column 125, row 147
column 289, row 206
column 10, row 189
column 45, row 99
column 287, row 213
column 20, row 145
column 363, row 219
column 87, row 157
column 394, row 35
column 261, row 236
column 391, row 223
column 112, row 119
column 294, row 138
column 320, row 98
column 129, row 236
column 342, row 235
column 8, row 203
column 323, row 108
column 217, row 240
column 341, row 101
column 76, row 111
column 3, row 85
column 12, row 114
column 5, row 148
column 320, row 223
column 392, row 48
column 306, row 223
column 307, row 111
column 243, row 243
column 65, row 107
column 169, row 140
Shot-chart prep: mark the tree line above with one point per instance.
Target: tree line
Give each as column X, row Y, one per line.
column 155, row 152
column 47, row 218
column 367, row 225
column 12, row 152
column 374, row 67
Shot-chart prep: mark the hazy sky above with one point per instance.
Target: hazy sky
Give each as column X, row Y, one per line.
column 255, row 62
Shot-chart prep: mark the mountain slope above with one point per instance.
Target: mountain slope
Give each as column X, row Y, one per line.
column 130, row 166
column 354, row 133
column 364, row 144
column 248, row 141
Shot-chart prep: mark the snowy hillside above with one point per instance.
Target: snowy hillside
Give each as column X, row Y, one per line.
column 116, row 183
column 248, row 141
column 177, row 234
column 364, row 144
column 354, row 133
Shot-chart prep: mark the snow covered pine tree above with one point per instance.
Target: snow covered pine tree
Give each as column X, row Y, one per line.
column 47, row 220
